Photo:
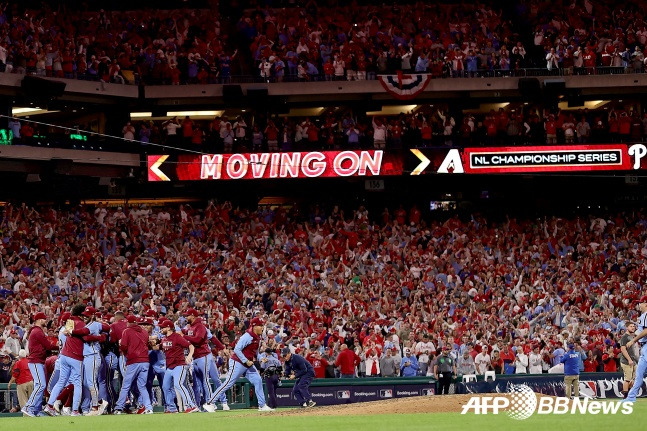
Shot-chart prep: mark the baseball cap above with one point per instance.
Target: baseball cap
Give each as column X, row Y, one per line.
column 571, row 345
column 89, row 312
column 167, row 324
column 64, row 317
column 151, row 313
column 40, row 315
column 192, row 312
column 643, row 299
column 257, row 321
column 285, row 351
column 131, row 318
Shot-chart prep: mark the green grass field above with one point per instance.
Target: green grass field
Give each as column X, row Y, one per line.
column 253, row 420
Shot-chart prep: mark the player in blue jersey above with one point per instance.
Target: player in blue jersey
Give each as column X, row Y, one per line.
column 641, row 339
column 241, row 364
column 92, row 364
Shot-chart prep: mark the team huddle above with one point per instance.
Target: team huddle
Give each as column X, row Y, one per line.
column 80, row 380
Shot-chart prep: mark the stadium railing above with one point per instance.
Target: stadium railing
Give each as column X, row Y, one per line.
column 213, row 78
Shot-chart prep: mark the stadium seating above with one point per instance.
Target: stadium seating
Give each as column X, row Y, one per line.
column 450, row 283
column 322, row 42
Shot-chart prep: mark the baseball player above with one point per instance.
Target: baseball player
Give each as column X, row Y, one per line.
column 114, row 359
column 156, row 359
column 177, row 370
column 213, row 368
column 39, row 346
column 117, row 329
column 134, row 345
column 71, row 361
column 241, row 364
column 297, row 367
column 56, row 369
column 52, row 371
column 130, row 320
column 105, row 380
column 641, row 339
column 92, row 364
column 196, row 334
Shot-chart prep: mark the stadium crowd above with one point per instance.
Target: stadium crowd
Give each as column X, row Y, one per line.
column 436, row 125
column 356, row 294
column 428, row 126
column 311, row 40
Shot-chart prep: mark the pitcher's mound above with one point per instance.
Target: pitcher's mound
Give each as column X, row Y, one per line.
column 427, row 404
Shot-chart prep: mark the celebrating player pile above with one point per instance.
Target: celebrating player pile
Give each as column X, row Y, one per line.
column 92, row 344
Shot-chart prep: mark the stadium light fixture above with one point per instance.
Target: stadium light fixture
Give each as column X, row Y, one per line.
column 394, row 110
column 141, row 114
column 195, row 113
column 595, row 104
column 304, row 112
column 589, row 104
column 23, row 112
column 15, row 111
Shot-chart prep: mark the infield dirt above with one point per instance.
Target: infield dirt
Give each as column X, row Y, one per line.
column 427, row 404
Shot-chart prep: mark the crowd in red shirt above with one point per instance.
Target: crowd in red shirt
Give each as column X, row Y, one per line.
column 312, row 40
column 325, row 277
column 429, row 125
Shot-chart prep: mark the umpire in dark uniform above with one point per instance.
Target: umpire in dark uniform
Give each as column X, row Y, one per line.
column 303, row 372
column 271, row 370
column 444, row 369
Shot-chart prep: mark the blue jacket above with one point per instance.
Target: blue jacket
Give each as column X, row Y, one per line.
column 298, row 365
column 571, row 361
column 412, row 369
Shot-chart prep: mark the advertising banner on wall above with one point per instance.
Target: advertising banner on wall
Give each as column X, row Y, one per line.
column 594, row 385
column 331, row 395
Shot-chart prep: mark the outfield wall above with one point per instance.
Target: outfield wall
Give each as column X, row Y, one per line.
column 327, row 392
column 598, row 385
column 345, row 391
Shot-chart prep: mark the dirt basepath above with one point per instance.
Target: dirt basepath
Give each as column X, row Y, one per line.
column 428, row 404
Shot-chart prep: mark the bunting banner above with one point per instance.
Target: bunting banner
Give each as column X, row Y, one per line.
column 403, row 86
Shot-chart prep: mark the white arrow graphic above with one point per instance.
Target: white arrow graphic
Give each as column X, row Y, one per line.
column 424, row 162
column 155, row 168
